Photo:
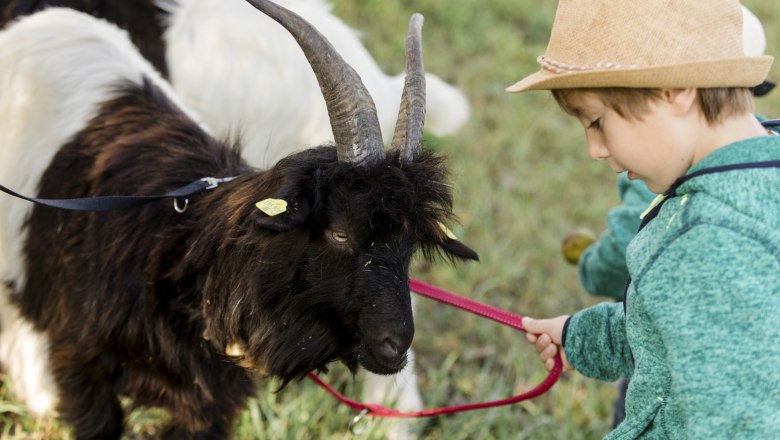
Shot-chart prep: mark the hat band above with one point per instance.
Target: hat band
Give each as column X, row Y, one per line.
column 554, row 66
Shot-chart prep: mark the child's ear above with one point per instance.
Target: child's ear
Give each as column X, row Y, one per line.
column 681, row 100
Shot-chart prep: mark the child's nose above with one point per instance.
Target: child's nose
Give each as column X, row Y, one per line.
column 597, row 150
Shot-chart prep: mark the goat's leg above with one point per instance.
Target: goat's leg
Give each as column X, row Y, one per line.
column 201, row 417
column 87, row 399
column 178, row 432
column 213, row 426
column 24, row 355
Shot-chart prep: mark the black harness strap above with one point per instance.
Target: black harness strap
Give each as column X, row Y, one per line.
column 115, row 203
column 672, row 191
column 771, row 123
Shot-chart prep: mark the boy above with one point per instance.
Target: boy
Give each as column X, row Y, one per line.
column 602, row 266
column 662, row 88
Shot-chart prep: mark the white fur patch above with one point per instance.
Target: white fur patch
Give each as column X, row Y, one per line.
column 24, row 357
column 56, row 67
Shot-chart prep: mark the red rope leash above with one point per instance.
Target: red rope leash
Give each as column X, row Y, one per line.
column 469, row 305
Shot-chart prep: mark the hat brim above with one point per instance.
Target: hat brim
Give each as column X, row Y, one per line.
column 728, row 72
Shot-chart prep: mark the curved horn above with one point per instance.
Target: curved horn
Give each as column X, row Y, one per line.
column 351, row 110
column 411, row 115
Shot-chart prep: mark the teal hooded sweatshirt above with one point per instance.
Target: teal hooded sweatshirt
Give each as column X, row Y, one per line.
column 699, row 336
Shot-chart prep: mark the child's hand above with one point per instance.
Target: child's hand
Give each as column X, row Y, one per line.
column 546, row 335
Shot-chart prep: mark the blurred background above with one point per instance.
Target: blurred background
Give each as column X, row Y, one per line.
column 522, row 181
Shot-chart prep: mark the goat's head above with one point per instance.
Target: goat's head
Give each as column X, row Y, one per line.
column 334, row 264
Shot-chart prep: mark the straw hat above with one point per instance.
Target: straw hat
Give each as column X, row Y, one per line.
column 647, row 44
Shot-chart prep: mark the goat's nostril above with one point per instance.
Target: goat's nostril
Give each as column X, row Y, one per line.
column 391, row 347
column 388, row 351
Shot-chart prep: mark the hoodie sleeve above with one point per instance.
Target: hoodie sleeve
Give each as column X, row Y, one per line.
column 595, row 342
column 602, row 268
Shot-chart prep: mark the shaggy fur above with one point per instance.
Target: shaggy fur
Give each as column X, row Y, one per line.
column 144, row 302
column 215, row 52
column 56, row 83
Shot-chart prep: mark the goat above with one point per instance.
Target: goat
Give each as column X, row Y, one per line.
column 223, row 44
column 152, row 304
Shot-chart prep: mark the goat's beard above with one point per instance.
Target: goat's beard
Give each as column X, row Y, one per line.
column 291, row 352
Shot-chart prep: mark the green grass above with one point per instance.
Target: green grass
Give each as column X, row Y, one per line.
column 522, row 181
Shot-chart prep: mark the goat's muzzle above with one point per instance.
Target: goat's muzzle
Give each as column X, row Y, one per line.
column 385, row 351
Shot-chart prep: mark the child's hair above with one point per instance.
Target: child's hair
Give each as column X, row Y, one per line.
column 632, row 103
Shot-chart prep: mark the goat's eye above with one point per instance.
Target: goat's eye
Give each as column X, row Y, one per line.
column 338, row 237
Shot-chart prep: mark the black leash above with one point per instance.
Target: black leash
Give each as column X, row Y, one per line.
column 115, row 203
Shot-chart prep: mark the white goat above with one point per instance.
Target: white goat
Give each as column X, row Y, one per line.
column 268, row 85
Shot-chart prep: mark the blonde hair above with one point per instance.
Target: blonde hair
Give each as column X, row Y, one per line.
column 632, row 103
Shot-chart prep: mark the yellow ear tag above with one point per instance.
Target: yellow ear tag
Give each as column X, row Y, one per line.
column 272, row 207
column 447, row 231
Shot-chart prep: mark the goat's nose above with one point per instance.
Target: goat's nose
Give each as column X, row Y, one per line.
column 392, row 348
column 388, row 350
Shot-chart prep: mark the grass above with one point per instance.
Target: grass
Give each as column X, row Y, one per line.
column 522, row 181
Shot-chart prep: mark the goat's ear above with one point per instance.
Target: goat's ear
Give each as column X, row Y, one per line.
column 451, row 246
column 293, row 201
column 457, row 249
column 282, row 214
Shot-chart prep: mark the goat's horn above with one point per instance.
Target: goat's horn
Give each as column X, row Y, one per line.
column 411, row 116
column 351, row 110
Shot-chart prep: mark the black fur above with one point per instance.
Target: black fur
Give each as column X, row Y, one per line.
column 143, row 302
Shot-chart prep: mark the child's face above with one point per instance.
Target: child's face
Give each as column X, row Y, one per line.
column 656, row 149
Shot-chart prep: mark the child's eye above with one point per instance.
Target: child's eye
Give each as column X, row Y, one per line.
column 595, row 124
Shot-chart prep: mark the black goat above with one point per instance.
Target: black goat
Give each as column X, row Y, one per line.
column 183, row 311
column 224, row 44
